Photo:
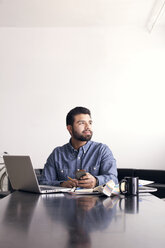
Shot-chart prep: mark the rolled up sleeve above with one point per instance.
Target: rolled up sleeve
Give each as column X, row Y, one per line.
column 108, row 170
column 49, row 174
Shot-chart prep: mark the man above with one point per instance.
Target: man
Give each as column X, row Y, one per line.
column 80, row 154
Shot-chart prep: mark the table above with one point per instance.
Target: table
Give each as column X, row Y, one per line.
column 63, row 221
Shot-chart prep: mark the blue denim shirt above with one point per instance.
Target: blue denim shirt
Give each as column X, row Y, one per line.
column 95, row 158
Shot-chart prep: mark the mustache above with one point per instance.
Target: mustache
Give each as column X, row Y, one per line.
column 87, row 130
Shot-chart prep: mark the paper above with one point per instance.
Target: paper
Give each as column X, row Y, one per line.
column 107, row 189
column 144, row 182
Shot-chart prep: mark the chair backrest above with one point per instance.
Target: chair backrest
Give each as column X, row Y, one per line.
column 158, row 176
column 125, row 172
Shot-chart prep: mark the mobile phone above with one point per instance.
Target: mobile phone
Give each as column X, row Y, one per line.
column 80, row 173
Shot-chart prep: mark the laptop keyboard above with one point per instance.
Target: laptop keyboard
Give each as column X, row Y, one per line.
column 46, row 188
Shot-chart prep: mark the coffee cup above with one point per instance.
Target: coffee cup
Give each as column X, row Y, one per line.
column 131, row 186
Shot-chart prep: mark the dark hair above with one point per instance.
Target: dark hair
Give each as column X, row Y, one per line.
column 76, row 111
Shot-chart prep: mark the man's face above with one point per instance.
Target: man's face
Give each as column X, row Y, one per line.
column 82, row 127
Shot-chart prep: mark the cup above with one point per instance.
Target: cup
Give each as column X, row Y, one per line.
column 131, row 186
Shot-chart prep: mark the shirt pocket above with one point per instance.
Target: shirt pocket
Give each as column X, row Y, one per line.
column 94, row 170
column 64, row 173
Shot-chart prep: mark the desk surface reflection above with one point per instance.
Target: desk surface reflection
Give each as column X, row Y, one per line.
column 64, row 221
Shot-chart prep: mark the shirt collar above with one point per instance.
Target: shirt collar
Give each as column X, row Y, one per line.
column 84, row 147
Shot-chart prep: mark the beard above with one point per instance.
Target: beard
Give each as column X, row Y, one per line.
column 81, row 137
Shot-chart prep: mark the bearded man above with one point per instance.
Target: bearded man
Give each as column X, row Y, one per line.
column 94, row 159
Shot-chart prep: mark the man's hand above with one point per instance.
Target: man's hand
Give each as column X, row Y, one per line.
column 70, row 183
column 88, row 181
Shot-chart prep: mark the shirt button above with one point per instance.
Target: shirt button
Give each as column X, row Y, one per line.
column 94, row 168
column 62, row 171
column 79, row 157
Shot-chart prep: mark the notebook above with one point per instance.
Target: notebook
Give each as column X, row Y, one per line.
column 22, row 176
column 145, row 189
column 144, row 186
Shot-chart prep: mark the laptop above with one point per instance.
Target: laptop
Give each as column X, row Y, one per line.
column 23, row 177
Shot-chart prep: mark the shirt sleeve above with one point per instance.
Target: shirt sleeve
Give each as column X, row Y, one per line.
column 49, row 174
column 108, row 169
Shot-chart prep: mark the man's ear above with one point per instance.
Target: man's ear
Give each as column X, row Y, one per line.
column 69, row 127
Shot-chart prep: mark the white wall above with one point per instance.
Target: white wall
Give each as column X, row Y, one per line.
column 117, row 72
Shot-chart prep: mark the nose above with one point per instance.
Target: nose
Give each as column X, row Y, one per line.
column 88, row 126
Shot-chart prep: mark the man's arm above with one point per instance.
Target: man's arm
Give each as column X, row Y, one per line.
column 49, row 175
column 108, row 169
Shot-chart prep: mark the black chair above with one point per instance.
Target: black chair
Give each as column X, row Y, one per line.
column 38, row 173
column 125, row 172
